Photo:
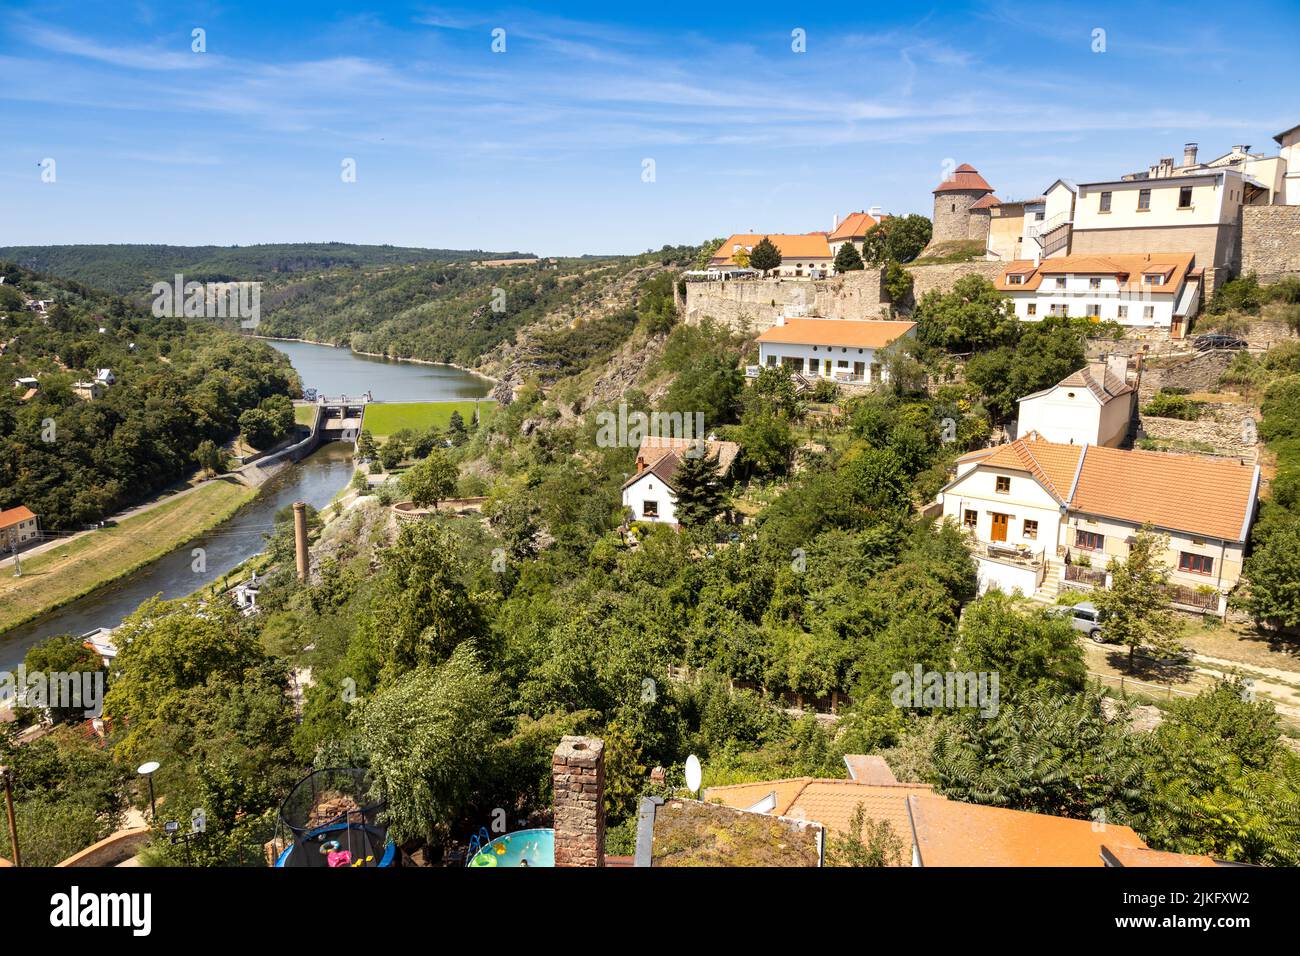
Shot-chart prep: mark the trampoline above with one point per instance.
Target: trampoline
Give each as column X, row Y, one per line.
column 332, row 821
column 521, row 848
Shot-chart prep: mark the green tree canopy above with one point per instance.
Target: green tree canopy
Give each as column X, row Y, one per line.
column 765, row 256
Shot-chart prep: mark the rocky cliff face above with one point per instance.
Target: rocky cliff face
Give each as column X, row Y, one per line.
column 515, row 362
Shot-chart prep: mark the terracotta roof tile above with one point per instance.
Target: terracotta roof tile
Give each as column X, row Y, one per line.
column 964, row 178
column 1206, row 496
column 15, row 515
column 858, row 333
column 986, row 202
column 1174, row 266
column 1138, row 856
column 949, row 833
column 1099, row 380
column 1212, row 497
column 662, row 456
column 1053, row 465
column 855, row 226
column 812, row 245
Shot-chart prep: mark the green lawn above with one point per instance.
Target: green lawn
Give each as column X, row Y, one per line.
column 63, row 574
column 304, row 414
column 384, row 418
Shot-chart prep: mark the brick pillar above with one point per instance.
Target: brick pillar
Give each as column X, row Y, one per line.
column 578, row 775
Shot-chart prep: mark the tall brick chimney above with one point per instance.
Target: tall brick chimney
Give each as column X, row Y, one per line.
column 578, row 775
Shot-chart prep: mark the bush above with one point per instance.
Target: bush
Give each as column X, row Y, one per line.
column 1167, row 404
column 1287, row 290
column 1242, row 294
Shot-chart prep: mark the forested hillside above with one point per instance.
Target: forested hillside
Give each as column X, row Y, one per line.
column 133, row 269
column 73, row 460
column 451, row 313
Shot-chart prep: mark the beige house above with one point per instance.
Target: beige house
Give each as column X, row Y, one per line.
column 1196, row 213
column 1093, row 406
column 1012, row 228
column 805, row 256
column 18, row 528
column 1039, row 513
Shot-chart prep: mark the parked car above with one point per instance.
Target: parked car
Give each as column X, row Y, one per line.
column 1085, row 617
column 1218, row 340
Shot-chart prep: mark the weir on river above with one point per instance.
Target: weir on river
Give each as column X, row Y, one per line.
column 315, row 480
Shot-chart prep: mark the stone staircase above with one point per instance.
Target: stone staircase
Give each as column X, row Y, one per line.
column 1051, row 586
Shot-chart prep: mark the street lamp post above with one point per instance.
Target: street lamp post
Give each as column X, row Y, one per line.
column 147, row 770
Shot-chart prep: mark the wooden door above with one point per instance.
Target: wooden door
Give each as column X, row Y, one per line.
column 1000, row 522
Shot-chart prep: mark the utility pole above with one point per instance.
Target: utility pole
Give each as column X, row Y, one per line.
column 300, row 537
column 6, row 775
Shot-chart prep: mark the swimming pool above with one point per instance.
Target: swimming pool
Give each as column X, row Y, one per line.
column 523, row 847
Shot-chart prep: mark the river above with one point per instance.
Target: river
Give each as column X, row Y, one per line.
column 315, row 480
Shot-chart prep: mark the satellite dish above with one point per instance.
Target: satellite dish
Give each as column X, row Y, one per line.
column 694, row 773
column 148, row 768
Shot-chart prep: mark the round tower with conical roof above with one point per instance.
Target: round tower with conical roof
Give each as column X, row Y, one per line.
column 955, row 199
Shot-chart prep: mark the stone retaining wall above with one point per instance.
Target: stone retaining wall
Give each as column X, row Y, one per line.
column 942, row 277
column 755, row 304
column 1221, row 426
column 1198, row 372
column 1270, row 241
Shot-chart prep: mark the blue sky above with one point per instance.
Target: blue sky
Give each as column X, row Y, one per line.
column 541, row 148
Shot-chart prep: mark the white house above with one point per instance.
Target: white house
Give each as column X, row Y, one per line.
column 105, row 377
column 1093, row 406
column 845, row 350
column 1038, row 512
column 650, row 493
column 1289, row 140
column 1155, row 290
column 806, row 256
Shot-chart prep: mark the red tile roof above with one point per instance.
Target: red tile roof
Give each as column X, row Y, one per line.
column 1128, row 268
column 1206, row 496
column 857, row 333
column 964, row 178
column 986, row 202
column 15, row 516
column 1213, row 497
column 855, row 226
column 949, row 833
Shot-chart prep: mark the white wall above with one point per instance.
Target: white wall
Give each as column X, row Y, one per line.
column 1078, row 296
column 650, row 487
column 1007, row 578
column 1074, row 416
column 819, row 354
column 1026, row 500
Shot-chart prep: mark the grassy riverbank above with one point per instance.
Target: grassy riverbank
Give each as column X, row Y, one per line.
column 63, row 574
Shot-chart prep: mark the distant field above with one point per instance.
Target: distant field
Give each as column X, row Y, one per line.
column 384, row 418
column 63, row 574
column 303, row 415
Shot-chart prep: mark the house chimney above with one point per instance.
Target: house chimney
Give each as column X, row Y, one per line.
column 578, row 779
column 640, row 464
column 1189, row 154
column 1117, row 365
column 835, row 222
